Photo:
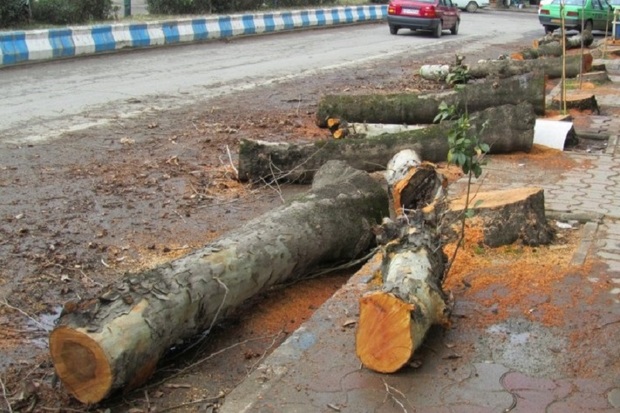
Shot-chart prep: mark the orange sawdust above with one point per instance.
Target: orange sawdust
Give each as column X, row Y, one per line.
column 541, row 156
column 514, row 278
column 285, row 309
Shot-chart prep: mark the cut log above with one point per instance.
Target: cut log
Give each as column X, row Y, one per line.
column 412, row 184
column 510, row 128
column 411, row 109
column 578, row 100
column 507, row 215
column 369, row 130
column 550, row 66
column 572, row 42
column 394, row 320
column 116, row 340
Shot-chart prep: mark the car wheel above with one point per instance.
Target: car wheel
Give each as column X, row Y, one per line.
column 455, row 29
column 438, row 30
column 393, row 29
column 472, row 7
column 549, row 29
column 588, row 26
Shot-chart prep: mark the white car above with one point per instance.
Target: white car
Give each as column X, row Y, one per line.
column 471, row 5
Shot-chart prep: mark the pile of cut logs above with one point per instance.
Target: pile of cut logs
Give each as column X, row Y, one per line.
column 115, row 341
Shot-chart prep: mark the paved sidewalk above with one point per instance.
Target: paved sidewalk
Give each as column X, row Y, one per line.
column 517, row 365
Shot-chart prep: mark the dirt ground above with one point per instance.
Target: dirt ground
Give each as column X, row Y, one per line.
column 78, row 213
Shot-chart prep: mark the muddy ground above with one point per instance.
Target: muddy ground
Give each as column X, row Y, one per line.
column 80, row 212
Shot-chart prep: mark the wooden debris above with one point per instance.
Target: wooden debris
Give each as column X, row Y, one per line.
column 412, row 109
column 111, row 343
column 550, row 66
column 510, row 128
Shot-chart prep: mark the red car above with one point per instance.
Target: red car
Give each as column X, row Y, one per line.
column 432, row 15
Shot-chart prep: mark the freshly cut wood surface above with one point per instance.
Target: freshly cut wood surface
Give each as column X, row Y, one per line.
column 508, row 215
column 383, row 339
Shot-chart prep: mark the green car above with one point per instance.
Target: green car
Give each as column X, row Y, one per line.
column 597, row 15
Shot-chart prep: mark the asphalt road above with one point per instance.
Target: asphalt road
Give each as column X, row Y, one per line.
column 41, row 101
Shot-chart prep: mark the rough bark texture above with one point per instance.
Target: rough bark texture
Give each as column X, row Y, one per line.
column 578, row 100
column 116, row 340
column 550, row 66
column 554, row 39
column 408, row 108
column 394, row 320
column 508, row 216
column 510, row 128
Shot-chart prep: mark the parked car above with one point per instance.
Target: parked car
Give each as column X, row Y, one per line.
column 543, row 3
column 595, row 14
column 431, row 15
column 471, row 6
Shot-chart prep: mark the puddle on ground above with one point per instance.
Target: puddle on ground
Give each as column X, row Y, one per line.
column 525, row 346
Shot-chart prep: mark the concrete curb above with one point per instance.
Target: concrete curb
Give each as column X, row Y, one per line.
column 36, row 45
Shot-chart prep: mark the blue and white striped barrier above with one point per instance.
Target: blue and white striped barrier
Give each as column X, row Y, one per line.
column 36, row 45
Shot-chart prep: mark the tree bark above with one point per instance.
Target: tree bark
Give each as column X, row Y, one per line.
column 348, row 130
column 394, row 320
column 411, row 109
column 550, row 66
column 579, row 100
column 116, row 340
column 507, row 215
column 574, row 41
column 510, row 128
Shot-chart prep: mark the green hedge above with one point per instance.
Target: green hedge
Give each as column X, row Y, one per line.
column 70, row 11
column 13, row 12
column 225, row 6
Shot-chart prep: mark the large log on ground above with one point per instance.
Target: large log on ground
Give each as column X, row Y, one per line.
column 411, row 109
column 510, row 128
column 394, row 320
column 550, row 66
column 116, row 340
column 554, row 40
column 507, row 216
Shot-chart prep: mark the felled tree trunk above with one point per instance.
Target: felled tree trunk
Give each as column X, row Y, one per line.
column 116, row 340
column 585, row 38
column 507, row 215
column 395, row 319
column 410, row 109
column 509, row 128
column 348, row 130
column 550, row 66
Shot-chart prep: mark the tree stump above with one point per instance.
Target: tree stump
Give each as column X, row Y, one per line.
column 579, row 100
column 508, row 215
